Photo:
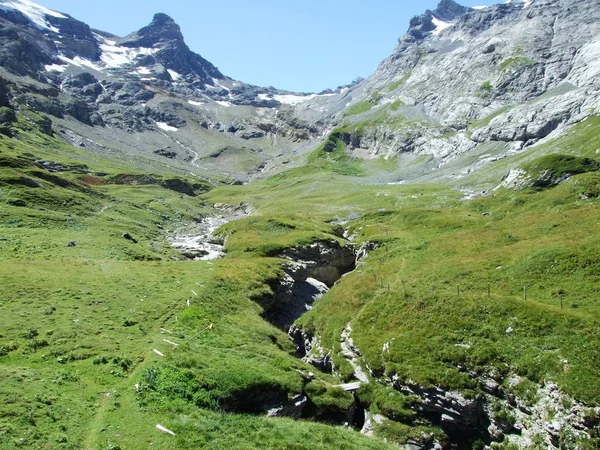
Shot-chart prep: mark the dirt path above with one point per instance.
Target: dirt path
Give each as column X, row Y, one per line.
column 95, row 427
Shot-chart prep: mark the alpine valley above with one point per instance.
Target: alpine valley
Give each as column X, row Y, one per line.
column 188, row 261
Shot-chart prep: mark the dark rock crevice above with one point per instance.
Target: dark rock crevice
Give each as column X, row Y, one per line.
column 308, row 274
column 462, row 419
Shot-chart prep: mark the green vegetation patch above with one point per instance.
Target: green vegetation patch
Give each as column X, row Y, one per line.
column 400, row 82
column 104, row 338
column 268, row 235
column 396, row 105
column 515, row 62
column 487, row 119
column 551, row 169
column 359, row 108
column 448, row 282
column 332, row 156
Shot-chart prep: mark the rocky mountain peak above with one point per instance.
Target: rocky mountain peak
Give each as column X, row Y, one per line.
column 447, row 11
column 166, row 48
column 161, row 19
column 163, row 29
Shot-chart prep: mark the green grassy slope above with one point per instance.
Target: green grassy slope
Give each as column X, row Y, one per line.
column 431, row 242
column 79, row 325
column 445, row 291
column 433, row 303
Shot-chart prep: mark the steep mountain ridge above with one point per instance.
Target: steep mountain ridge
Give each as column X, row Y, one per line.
column 145, row 95
column 461, row 79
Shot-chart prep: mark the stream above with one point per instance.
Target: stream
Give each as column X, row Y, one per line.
column 198, row 241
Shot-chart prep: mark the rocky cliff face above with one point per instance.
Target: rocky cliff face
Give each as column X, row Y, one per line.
column 162, row 102
column 506, row 76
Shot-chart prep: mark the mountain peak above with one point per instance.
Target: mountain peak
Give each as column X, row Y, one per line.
column 446, row 13
column 162, row 29
column 448, row 10
column 160, row 19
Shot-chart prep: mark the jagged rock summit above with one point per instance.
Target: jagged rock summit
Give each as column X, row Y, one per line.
column 162, row 29
column 166, row 100
column 56, row 42
column 493, row 82
column 174, row 55
column 434, row 21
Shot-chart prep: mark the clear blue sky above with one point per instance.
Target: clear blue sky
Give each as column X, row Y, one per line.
column 307, row 45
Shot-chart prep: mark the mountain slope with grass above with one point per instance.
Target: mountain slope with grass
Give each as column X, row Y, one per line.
column 414, row 264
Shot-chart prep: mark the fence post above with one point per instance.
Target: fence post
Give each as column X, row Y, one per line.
column 561, row 302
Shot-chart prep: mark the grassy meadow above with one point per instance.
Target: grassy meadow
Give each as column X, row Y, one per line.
column 506, row 283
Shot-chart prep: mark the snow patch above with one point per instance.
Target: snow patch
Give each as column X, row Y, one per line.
column 55, row 68
column 34, row 12
column 174, row 75
column 440, row 25
column 116, row 56
column 223, row 103
column 525, row 3
column 192, row 102
column 166, row 127
column 80, row 62
column 220, row 85
column 291, row 99
column 143, row 71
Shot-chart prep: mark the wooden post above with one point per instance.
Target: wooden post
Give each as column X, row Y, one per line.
column 404, row 286
column 561, row 302
column 458, row 290
column 525, row 293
